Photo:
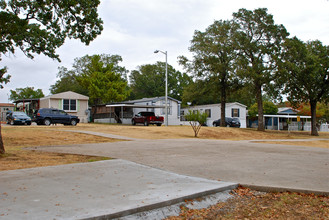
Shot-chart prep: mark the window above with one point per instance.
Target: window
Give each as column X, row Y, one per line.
column 208, row 112
column 235, row 112
column 69, row 104
column 163, row 111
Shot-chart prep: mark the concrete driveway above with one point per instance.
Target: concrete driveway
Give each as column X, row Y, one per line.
column 258, row 164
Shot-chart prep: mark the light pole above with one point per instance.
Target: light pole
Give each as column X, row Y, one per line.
column 166, row 93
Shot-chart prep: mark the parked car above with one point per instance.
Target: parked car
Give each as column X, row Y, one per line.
column 48, row 116
column 229, row 122
column 147, row 118
column 18, row 118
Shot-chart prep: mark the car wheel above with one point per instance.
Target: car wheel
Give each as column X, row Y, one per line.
column 158, row 124
column 73, row 122
column 133, row 122
column 146, row 123
column 47, row 122
column 29, row 123
column 7, row 122
column 12, row 122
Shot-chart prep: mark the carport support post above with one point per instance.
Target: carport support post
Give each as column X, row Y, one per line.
column 166, row 90
column 121, row 114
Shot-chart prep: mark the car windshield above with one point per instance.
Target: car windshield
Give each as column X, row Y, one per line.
column 19, row 114
column 235, row 119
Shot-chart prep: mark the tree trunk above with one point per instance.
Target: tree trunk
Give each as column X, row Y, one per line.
column 222, row 106
column 314, row 130
column 2, row 147
column 260, row 108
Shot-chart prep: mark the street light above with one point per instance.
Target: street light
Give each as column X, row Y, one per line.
column 166, row 94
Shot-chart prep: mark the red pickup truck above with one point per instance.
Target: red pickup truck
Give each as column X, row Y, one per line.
column 147, row 118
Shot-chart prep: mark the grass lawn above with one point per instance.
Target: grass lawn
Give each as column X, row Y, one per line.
column 246, row 204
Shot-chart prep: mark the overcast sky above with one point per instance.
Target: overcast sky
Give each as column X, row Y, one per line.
column 133, row 29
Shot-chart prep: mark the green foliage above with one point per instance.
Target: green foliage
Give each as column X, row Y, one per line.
column 212, row 63
column 258, row 41
column 196, row 120
column 3, row 79
column 203, row 92
column 149, row 81
column 67, row 82
column 25, row 93
column 42, row 26
column 304, row 71
column 95, row 76
column 269, row 109
column 102, row 81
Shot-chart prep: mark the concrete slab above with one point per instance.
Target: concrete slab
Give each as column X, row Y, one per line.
column 110, row 189
column 287, row 167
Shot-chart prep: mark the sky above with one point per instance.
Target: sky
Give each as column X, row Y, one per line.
column 134, row 29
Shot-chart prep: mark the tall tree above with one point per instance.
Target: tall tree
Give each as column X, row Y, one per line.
column 213, row 56
column 67, row 82
column 258, row 41
column 304, row 72
column 25, row 93
column 148, row 81
column 103, row 82
column 37, row 27
column 68, row 79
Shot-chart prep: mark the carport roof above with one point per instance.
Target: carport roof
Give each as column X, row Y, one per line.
column 136, row 106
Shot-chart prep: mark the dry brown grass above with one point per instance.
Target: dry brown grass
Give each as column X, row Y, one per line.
column 15, row 138
column 174, row 132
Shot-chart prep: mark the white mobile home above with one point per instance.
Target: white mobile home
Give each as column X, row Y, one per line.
column 235, row 110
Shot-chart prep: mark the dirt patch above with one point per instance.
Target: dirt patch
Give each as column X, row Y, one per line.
column 16, row 138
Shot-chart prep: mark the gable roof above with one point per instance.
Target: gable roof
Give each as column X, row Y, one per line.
column 7, row 105
column 67, row 95
column 286, row 111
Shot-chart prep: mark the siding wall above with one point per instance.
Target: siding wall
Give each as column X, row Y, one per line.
column 215, row 112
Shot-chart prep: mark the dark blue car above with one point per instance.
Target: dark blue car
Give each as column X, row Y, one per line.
column 229, row 122
column 48, row 116
column 18, row 118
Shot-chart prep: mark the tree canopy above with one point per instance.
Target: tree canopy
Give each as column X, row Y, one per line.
column 259, row 42
column 68, row 78
column 304, row 70
column 103, row 82
column 269, row 108
column 149, row 81
column 25, row 93
column 213, row 55
column 40, row 27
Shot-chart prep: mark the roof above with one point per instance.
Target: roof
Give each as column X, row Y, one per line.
column 154, row 99
column 67, row 95
column 217, row 105
column 25, row 100
column 286, row 111
column 136, row 106
column 7, row 105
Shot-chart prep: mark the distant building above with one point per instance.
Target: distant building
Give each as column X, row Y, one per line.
column 234, row 110
column 123, row 112
column 4, row 108
column 71, row 102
